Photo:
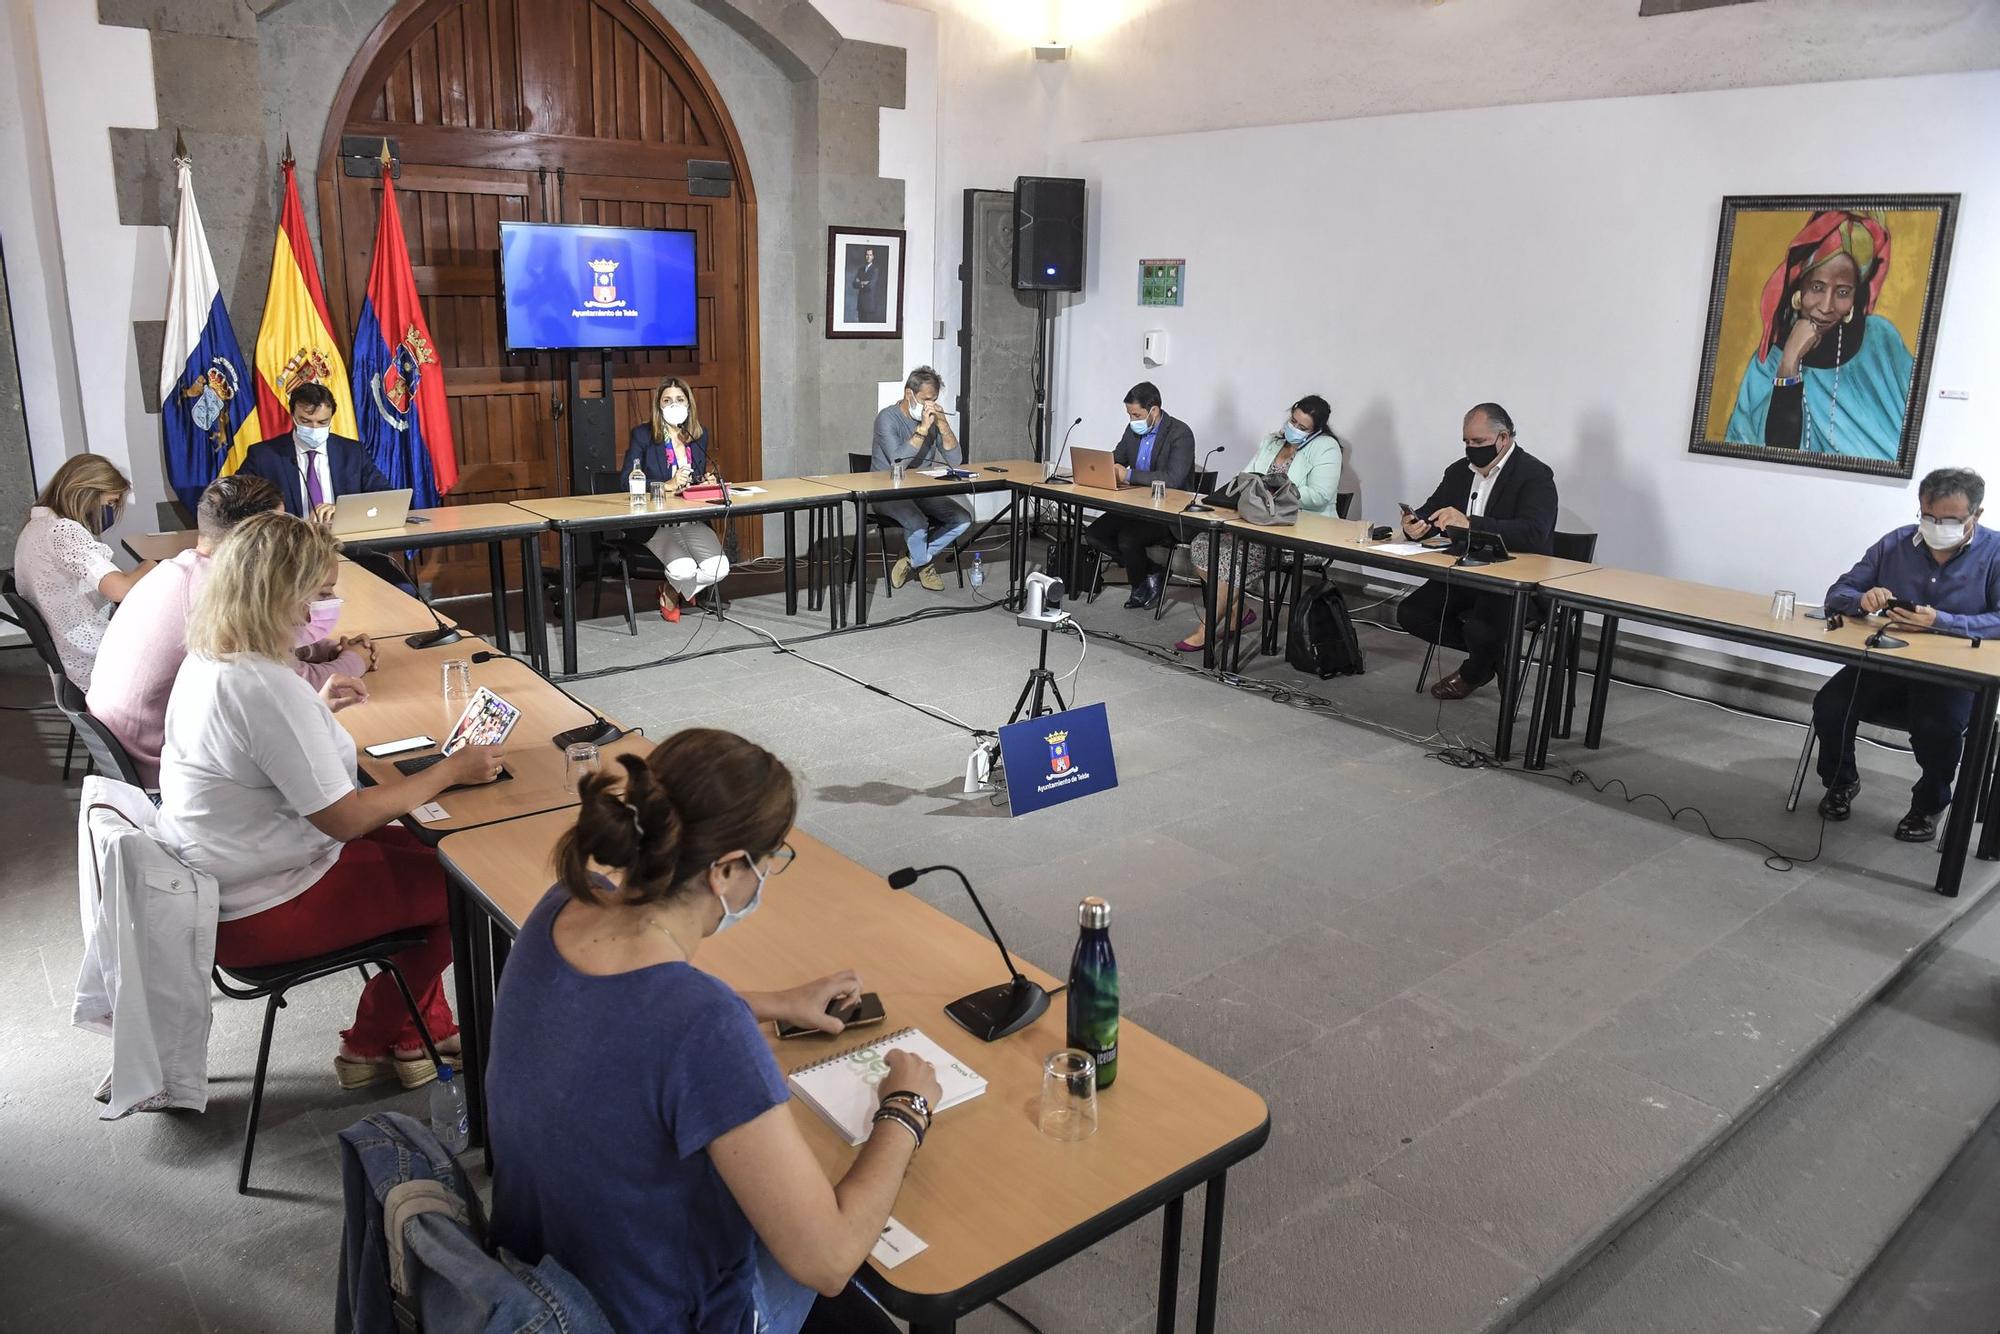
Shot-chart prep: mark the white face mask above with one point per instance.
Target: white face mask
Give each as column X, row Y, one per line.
column 1942, row 534
column 676, row 414
column 729, row 918
column 916, row 409
column 312, row 437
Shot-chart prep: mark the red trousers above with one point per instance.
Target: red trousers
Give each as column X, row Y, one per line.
column 385, row 881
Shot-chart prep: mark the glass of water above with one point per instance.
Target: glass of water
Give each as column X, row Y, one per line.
column 1069, row 1095
column 1159, row 494
column 896, row 472
column 579, row 759
column 659, row 493
column 457, row 691
column 1783, row 604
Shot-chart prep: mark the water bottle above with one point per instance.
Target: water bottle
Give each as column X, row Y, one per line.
column 978, row 571
column 635, row 483
column 1093, row 990
column 448, row 1119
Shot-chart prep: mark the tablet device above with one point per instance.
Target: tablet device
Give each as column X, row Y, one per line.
column 487, row 720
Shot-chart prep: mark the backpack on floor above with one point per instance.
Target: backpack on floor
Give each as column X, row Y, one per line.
column 1322, row 639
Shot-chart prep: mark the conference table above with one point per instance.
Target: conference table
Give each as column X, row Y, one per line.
column 1745, row 618
column 995, row 1200
column 570, row 515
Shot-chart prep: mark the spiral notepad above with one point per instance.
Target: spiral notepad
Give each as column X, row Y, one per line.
column 843, row 1087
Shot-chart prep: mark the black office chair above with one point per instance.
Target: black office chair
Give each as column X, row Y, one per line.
column 628, row 555
column 882, row 526
column 107, row 753
column 270, row 982
column 1581, row 547
column 29, row 617
column 1161, row 555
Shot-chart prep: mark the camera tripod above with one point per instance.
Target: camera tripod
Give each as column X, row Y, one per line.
column 1041, row 684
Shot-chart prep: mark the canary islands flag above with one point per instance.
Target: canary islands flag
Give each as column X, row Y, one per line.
column 206, row 398
column 295, row 343
column 398, row 384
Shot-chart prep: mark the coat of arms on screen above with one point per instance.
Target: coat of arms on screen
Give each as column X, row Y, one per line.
column 211, row 389
column 603, row 291
column 1059, row 760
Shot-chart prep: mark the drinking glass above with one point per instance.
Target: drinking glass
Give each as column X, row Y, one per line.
column 1069, row 1095
column 457, row 692
column 896, row 473
column 659, row 494
column 1783, row 604
column 579, row 759
column 1159, row 494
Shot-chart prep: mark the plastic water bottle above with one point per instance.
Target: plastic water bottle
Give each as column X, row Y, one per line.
column 1093, row 990
column 635, row 483
column 978, row 570
column 448, row 1118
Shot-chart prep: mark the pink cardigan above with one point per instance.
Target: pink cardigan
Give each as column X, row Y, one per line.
column 142, row 651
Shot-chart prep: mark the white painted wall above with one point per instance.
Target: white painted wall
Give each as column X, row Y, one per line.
column 1554, row 258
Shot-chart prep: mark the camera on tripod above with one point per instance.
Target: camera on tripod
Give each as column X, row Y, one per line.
column 1041, row 603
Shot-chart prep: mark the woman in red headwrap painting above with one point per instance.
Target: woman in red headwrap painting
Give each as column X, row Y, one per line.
column 1830, row 376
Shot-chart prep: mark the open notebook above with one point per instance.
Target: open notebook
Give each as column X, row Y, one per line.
column 843, row 1087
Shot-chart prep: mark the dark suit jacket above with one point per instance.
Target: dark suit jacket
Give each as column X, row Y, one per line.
column 347, row 463
column 1522, row 508
column 1173, row 454
column 657, row 459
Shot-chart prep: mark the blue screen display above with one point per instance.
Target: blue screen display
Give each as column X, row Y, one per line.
column 596, row 287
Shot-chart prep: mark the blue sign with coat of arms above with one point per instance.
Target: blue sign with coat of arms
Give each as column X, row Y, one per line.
column 1057, row 757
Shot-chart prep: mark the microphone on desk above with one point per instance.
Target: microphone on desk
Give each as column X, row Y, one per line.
column 438, row 638
column 995, row 1012
column 1195, row 506
column 1056, row 477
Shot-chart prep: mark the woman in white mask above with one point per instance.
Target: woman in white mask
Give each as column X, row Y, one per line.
column 636, row 1103
column 673, row 448
column 1303, row 452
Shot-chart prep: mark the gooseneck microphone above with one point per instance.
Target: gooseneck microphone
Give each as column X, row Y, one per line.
column 1195, row 506
column 995, row 1012
column 1057, row 478
column 438, row 638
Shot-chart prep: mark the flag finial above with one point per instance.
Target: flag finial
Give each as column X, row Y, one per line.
column 386, row 159
column 180, row 148
column 288, row 159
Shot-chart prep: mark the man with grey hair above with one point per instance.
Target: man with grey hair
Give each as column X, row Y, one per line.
column 913, row 431
column 1940, row 575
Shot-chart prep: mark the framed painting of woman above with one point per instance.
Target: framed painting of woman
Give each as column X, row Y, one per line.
column 1822, row 319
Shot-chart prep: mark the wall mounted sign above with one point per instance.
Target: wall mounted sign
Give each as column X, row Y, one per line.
column 1162, row 282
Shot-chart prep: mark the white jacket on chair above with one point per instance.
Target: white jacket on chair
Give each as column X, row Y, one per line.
column 148, row 946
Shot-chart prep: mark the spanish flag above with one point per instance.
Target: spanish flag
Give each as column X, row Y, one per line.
column 296, row 342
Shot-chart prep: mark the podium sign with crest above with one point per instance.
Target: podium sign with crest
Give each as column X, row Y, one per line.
column 1057, row 757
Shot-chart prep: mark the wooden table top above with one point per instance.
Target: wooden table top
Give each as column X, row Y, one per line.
column 405, row 698
column 615, row 507
column 1014, row 472
column 450, row 523
column 988, row 1187
column 159, row 546
column 1347, row 539
column 1133, row 499
column 879, row 486
column 1733, row 611
column 377, row 608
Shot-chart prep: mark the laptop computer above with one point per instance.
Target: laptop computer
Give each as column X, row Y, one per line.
column 1093, row 467
column 370, row 512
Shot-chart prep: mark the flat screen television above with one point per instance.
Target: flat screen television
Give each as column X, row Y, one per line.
column 567, row 286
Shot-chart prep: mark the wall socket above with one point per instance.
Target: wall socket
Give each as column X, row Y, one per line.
column 1956, row 395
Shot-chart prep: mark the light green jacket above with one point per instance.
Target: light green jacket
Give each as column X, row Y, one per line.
column 1315, row 470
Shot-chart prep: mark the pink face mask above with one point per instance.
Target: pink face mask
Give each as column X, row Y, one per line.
column 321, row 616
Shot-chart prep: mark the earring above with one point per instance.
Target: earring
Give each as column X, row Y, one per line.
column 1848, row 318
column 1795, row 301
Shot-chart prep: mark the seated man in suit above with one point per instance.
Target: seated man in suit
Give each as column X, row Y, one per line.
column 311, row 467
column 1940, row 575
column 913, row 431
column 1497, row 488
column 1155, row 448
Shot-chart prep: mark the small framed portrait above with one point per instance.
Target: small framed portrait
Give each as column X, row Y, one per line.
column 1822, row 319
column 864, row 283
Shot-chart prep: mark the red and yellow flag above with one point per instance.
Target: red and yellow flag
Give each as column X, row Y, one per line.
column 295, row 343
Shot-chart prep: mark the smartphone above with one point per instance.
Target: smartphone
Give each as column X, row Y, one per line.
column 388, row 748
column 866, row 1011
column 1899, row 604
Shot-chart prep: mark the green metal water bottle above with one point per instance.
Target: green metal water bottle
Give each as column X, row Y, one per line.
column 1093, row 990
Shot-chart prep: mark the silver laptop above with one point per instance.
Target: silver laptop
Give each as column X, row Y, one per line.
column 1094, row 467
column 370, row 512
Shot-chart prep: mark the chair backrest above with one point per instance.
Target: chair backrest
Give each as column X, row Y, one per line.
column 29, row 618
column 860, row 462
column 1575, row 546
column 1204, row 481
column 1342, row 503
column 104, row 747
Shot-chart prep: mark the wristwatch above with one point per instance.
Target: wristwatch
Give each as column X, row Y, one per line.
column 916, row 1102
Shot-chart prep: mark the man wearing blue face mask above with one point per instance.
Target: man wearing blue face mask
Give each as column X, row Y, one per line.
column 311, row 466
column 1940, row 575
column 1153, row 448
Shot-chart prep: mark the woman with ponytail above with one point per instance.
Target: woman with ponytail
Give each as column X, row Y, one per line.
column 638, row 1118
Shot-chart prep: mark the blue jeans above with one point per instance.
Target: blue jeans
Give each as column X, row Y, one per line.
column 783, row 1303
column 930, row 524
column 1934, row 716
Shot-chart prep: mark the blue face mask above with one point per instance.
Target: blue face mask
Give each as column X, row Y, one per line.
column 729, row 918
column 1140, row 426
column 312, row 437
column 1294, row 436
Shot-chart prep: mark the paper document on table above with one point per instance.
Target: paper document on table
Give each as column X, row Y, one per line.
column 896, row 1244
column 935, row 472
column 746, row 490
column 1400, row 548
column 430, row 813
column 842, row 1087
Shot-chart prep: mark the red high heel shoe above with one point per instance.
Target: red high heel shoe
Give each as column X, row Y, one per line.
column 670, row 609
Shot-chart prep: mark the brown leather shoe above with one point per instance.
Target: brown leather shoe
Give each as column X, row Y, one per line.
column 1454, row 686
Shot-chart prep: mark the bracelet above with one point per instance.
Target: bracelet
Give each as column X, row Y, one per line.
column 915, row 1102
column 1779, row 382
column 903, row 1119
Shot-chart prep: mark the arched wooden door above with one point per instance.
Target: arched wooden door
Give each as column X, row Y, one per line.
column 542, row 110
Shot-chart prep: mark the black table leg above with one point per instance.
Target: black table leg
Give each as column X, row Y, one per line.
column 791, row 563
column 1989, row 814
column 1510, row 674
column 1600, row 690
column 496, row 569
column 1209, row 657
column 1573, row 636
column 566, row 542
column 1211, row 1253
column 837, row 616
column 1170, row 1264
column 1966, row 792
column 861, row 560
column 1239, row 580
column 1551, row 652
column 465, row 982
column 535, row 617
